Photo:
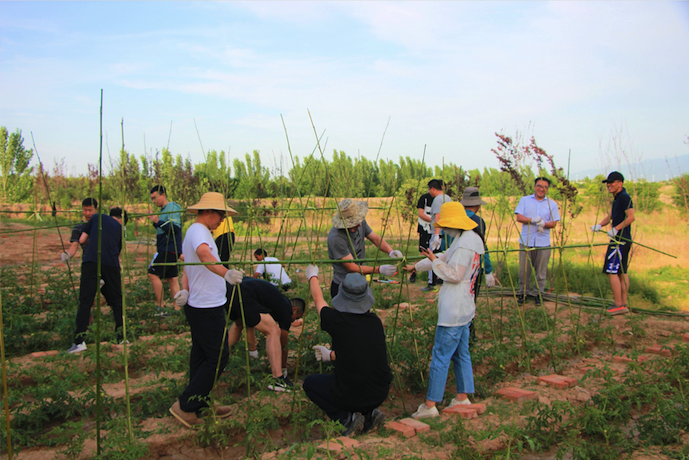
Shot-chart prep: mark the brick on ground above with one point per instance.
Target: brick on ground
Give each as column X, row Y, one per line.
column 663, row 350
column 480, row 408
column 558, row 381
column 516, row 394
column 401, row 429
column 462, row 411
column 418, row 426
column 685, row 337
column 339, row 444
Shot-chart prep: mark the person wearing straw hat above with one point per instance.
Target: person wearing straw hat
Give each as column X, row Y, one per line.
column 261, row 306
column 203, row 298
column 538, row 214
column 620, row 217
column 346, row 241
column 459, row 267
column 362, row 377
column 168, row 227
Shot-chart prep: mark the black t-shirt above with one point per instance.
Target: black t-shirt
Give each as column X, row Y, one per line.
column 362, row 374
column 77, row 230
column 111, row 244
column 424, row 203
column 262, row 296
column 620, row 205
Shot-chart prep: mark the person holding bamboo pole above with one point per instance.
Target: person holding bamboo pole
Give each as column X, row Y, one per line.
column 88, row 208
column 538, row 214
column 346, row 241
column 168, row 244
column 620, row 217
column 362, row 376
column 459, row 267
column 203, row 297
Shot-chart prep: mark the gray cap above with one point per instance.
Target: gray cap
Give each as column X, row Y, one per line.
column 354, row 295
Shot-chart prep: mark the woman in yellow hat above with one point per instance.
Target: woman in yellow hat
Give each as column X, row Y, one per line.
column 459, row 268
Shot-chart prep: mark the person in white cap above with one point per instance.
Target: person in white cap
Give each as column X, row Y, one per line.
column 203, row 298
column 346, row 241
column 459, row 267
column 362, row 377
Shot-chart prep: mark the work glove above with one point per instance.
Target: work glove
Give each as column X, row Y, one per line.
column 311, row 271
column 541, row 226
column 537, row 220
column 234, row 277
column 434, row 244
column 387, row 270
column 253, row 354
column 396, row 254
column 181, row 298
column 64, row 256
column 490, row 280
column 596, row 228
column 613, row 233
column 102, row 283
column 322, row 353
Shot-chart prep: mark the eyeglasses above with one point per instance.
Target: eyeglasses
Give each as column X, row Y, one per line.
column 220, row 213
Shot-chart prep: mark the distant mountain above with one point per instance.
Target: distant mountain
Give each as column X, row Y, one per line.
column 658, row 169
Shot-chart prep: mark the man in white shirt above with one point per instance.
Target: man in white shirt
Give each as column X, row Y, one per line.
column 273, row 273
column 203, row 298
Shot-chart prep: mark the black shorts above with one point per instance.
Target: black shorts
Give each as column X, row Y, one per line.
column 252, row 309
column 617, row 259
column 165, row 271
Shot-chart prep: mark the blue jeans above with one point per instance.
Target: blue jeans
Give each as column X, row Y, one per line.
column 451, row 343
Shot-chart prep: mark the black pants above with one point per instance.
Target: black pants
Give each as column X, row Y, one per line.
column 318, row 388
column 207, row 329
column 88, row 287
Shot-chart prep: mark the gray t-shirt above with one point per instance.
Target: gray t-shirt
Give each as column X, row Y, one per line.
column 339, row 247
column 438, row 201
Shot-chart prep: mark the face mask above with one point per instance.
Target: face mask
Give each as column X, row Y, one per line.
column 452, row 232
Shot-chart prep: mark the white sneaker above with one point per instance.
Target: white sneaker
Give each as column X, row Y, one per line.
column 77, row 348
column 457, row 402
column 425, row 412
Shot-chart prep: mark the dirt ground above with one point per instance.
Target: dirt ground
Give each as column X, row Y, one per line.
column 177, row 442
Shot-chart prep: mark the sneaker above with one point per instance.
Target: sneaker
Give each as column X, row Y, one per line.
column 425, row 412
column 457, row 402
column 77, row 348
column 281, row 384
column 354, row 425
column 188, row 419
column 412, row 278
column 161, row 312
column 520, row 300
column 430, row 288
column 374, row 420
column 537, row 300
column 615, row 310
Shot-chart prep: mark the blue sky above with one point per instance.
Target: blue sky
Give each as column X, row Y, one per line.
column 595, row 77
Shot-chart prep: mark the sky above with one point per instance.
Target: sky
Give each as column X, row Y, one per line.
column 606, row 81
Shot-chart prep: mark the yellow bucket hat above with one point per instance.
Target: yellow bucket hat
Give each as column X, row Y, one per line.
column 212, row 200
column 453, row 215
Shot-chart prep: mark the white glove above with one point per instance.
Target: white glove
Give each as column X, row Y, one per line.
column 596, row 228
column 537, row 220
column 434, row 244
column 396, row 254
column 234, row 277
column 388, row 270
column 541, row 226
column 102, row 283
column 311, row 271
column 322, row 353
column 181, row 297
column 613, row 232
column 253, row 354
column 490, row 280
column 64, row 256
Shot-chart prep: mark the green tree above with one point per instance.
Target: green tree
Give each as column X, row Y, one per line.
column 17, row 182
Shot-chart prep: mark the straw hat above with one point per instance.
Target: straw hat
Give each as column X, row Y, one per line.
column 214, row 201
column 351, row 213
column 472, row 197
column 354, row 295
column 453, row 215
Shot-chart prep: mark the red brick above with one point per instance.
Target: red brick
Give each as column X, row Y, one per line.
column 558, row 381
column 401, row 429
column 420, row 427
column 660, row 350
column 51, row 353
column 480, row 408
column 460, row 410
column 685, row 337
column 339, row 444
column 38, row 354
column 516, row 394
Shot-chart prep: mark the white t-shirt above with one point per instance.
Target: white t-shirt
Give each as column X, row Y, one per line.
column 275, row 273
column 206, row 289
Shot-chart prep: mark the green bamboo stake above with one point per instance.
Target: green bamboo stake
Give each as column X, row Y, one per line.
column 98, row 275
column 5, row 394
